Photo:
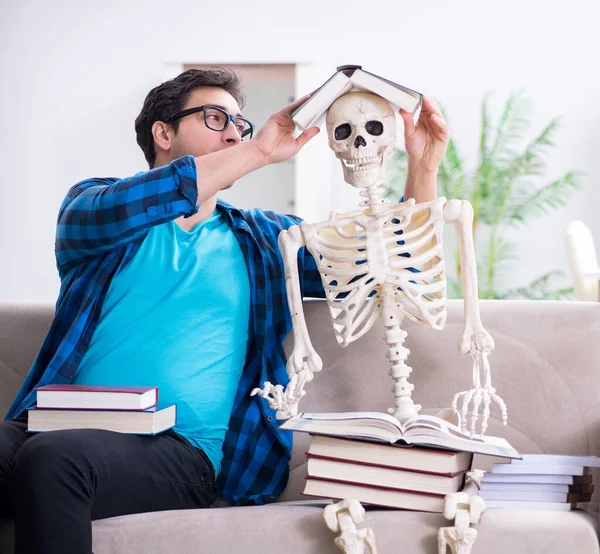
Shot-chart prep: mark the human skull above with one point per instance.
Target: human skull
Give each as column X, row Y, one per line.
column 361, row 127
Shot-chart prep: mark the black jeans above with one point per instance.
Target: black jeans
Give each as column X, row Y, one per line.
column 54, row 484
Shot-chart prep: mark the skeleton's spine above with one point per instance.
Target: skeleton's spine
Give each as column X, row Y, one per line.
column 375, row 198
column 397, row 354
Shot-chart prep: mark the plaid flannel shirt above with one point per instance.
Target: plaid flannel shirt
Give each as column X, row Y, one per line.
column 101, row 225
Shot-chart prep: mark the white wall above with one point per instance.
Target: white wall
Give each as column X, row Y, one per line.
column 73, row 76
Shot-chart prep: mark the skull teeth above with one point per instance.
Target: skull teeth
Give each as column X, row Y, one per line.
column 362, row 164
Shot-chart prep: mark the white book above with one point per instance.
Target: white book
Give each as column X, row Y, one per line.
column 527, row 478
column 349, row 78
column 140, row 422
column 539, row 469
column 527, row 495
column 422, row 430
column 558, row 459
column 527, row 505
column 538, row 487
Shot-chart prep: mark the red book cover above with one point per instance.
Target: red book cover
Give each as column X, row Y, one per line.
column 363, row 463
column 75, row 402
column 380, row 487
column 65, row 387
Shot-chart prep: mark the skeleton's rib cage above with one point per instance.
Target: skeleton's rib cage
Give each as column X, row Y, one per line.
column 362, row 258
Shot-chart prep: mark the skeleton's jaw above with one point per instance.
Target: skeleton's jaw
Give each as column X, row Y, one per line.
column 362, row 172
column 361, row 164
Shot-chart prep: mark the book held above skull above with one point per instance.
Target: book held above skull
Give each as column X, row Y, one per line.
column 349, row 78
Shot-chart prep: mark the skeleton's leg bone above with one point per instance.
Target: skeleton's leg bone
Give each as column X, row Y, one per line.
column 341, row 517
column 460, row 541
column 465, row 508
column 394, row 337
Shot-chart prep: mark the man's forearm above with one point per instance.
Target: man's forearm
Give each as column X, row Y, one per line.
column 220, row 169
column 421, row 184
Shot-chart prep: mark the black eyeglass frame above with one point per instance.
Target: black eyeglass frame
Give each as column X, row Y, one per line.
column 230, row 118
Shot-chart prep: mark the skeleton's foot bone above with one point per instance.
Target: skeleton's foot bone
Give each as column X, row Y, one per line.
column 285, row 401
column 460, row 540
column 340, row 518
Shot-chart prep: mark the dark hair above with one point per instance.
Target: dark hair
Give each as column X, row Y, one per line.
column 171, row 96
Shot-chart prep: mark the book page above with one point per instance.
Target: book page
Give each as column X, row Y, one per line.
column 421, row 422
column 368, row 425
column 379, row 416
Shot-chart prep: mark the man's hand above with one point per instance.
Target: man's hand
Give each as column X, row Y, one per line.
column 275, row 140
column 425, row 142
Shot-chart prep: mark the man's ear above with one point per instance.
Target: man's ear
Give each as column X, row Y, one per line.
column 162, row 134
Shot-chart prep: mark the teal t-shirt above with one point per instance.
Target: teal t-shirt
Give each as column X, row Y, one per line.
column 177, row 317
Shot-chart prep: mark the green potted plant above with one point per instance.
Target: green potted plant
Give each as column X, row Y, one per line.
column 501, row 191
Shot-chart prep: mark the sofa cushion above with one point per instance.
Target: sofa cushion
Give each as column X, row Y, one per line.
column 302, row 530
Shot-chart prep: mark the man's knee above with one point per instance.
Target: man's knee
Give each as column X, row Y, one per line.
column 47, row 456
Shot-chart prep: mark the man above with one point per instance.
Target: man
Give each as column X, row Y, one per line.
column 163, row 285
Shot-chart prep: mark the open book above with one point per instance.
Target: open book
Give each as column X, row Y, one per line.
column 348, row 78
column 421, row 430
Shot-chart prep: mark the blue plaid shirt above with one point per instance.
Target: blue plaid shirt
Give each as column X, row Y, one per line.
column 101, row 225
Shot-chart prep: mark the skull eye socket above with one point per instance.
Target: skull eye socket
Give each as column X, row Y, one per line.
column 374, row 128
column 343, row 131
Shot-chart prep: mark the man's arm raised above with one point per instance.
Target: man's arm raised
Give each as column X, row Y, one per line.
column 99, row 215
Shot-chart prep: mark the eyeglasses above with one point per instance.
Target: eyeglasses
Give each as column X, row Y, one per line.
column 217, row 119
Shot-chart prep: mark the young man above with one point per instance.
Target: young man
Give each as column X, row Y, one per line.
column 162, row 284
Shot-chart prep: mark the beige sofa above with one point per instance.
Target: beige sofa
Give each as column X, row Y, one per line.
column 546, row 366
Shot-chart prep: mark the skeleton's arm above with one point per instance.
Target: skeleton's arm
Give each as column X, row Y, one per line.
column 475, row 340
column 304, row 360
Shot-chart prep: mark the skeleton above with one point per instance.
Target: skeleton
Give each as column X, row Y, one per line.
column 384, row 260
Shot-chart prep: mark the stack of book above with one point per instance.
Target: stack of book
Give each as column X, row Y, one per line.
column 371, row 457
column 122, row 409
column 385, row 475
column 540, row 481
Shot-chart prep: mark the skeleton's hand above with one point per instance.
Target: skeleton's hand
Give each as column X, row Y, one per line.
column 284, row 401
column 477, row 395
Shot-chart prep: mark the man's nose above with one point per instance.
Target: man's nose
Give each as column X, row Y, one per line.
column 231, row 135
